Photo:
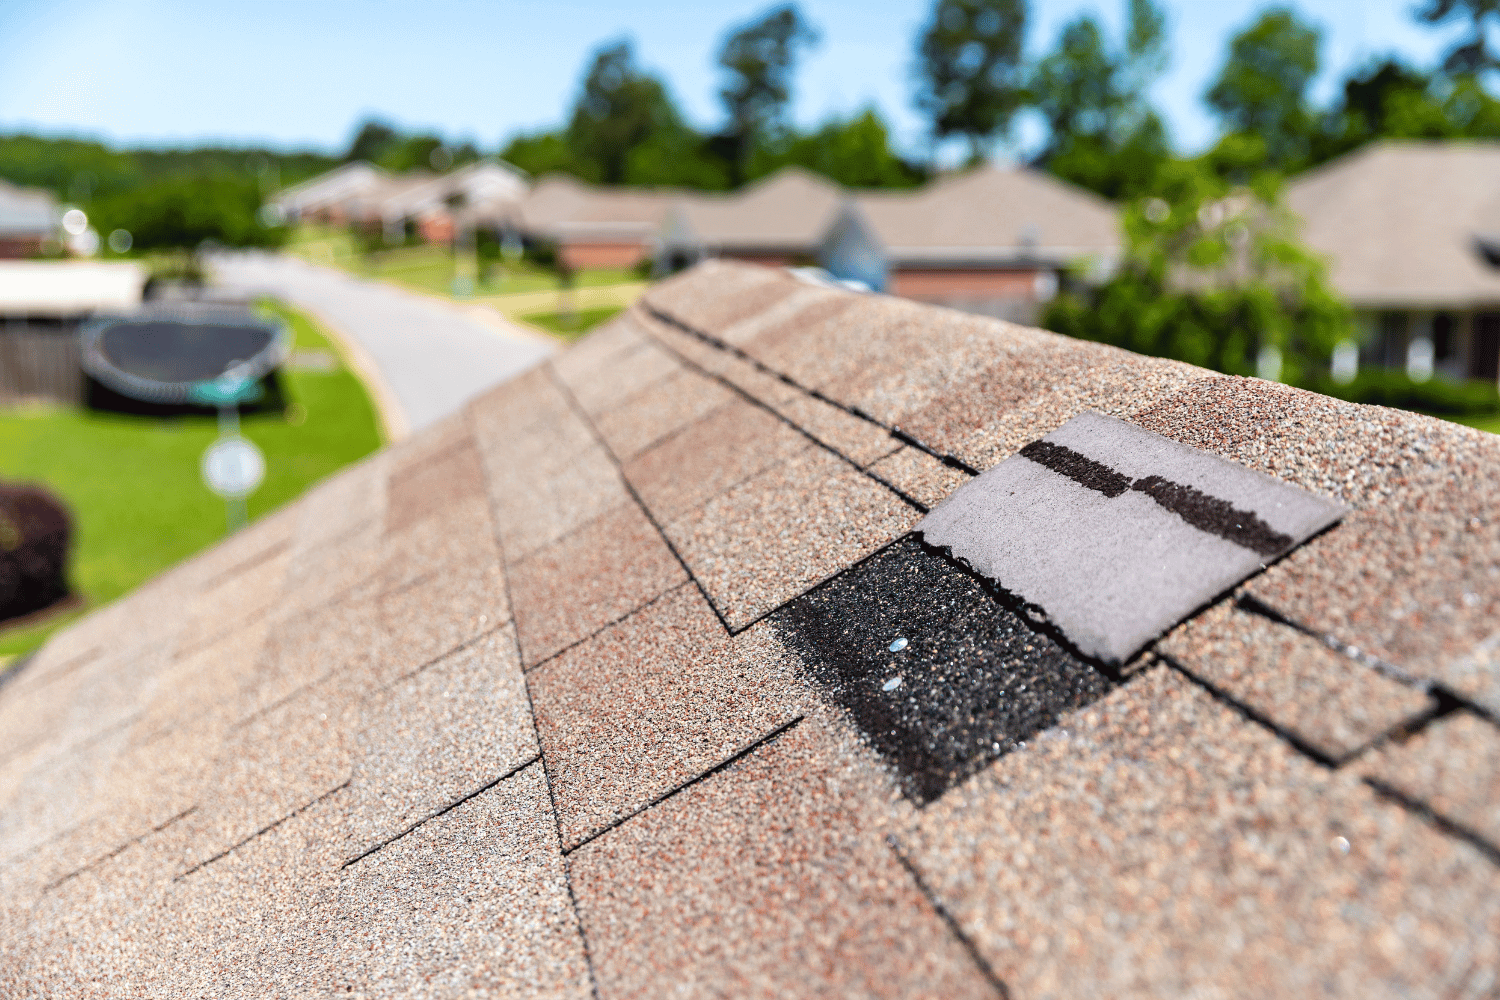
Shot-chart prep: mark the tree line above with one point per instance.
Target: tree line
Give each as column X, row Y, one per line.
column 972, row 82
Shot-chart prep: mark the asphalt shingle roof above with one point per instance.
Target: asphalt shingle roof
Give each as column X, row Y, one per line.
column 1399, row 220
column 589, row 689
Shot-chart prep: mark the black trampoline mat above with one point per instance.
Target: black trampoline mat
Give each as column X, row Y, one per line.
column 170, row 351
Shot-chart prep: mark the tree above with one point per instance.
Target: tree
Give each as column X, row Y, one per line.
column 1472, row 55
column 540, row 153
column 183, row 212
column 969, row 70
column 1262, row 89
column 1102, row 130
column 372, row 141
column 759, row 60
column 855, row 152
column 620, row 108
column 1390, row 99
column 1213, row 274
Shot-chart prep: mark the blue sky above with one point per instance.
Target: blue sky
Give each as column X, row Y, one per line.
column 302, row 72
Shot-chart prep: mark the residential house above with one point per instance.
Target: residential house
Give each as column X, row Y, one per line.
column 991, row 241
column 361, row 194
column 1411, row 231
column 28, row 220
column 778, row 220
column 330, row 197
column 595, row 227
column 486, row 192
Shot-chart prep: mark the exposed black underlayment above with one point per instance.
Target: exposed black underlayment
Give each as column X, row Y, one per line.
column 972, row 681
column 1204, row 512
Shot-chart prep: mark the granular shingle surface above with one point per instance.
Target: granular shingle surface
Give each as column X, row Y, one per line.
column 646, row 705
column 1324, row 698
column 632, row 679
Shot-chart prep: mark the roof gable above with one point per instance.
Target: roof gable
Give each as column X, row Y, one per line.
column 1398, row 222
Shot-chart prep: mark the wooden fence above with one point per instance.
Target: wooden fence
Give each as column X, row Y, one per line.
column 40, row 361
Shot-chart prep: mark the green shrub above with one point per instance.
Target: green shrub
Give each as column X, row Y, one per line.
column 1444, row 397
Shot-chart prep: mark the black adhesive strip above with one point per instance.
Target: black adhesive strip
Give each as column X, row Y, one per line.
column 1215, row 516
column 1206, row 513
column 1081, row 469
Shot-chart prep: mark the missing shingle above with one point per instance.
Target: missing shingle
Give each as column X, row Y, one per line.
column 939, row 675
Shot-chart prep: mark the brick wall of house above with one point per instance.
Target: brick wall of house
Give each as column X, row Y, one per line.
column 602, row 256
column 945, row 284
column 19, row 247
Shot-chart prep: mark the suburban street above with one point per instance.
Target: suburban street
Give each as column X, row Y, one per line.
column 431, row 356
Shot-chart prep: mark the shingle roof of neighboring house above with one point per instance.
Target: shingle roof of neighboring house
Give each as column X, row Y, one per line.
column 343, row 184
column 560, row 206
column 26, row 211
column 1398, row 221
column 491, row 189
column 632, row 679
column 991, row 213
column 790, row 210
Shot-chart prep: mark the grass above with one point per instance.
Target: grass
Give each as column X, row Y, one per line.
column 133, row 483
column 1485, row 423
column 574, row 326
column 431, row 269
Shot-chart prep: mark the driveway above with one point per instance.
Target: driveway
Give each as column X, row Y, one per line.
column 428, row 356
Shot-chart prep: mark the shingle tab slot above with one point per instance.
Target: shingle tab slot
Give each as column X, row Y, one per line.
column 1117, row 533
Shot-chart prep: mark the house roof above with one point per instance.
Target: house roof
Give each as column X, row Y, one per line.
column 990, row 212
column 562, row 207
column 26, row 211
column 491, row 189
column 1398, row 221
column 791, row 209
column 344, row 183
column 639, row 676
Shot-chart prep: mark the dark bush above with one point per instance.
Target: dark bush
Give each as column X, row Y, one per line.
column 1447, row 397
column 36, row 532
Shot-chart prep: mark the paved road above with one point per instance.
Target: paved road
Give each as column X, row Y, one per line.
column 432, row 356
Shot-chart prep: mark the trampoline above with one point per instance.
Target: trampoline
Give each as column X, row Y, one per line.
column 168, row 355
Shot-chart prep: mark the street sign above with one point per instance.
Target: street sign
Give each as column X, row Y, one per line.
column 233, row 467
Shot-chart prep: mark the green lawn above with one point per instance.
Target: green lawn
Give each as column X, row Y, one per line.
column 133, row 482
column 1490, row 423
column 431, row 268
column 571, row 327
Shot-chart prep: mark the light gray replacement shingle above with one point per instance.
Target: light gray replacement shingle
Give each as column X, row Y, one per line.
column 1116, row 533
